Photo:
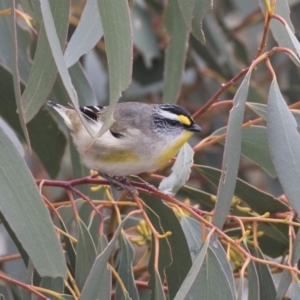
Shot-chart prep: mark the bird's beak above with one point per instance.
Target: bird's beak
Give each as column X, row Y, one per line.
column 194, row 128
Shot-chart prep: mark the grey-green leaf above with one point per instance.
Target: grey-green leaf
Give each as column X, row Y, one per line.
column 88, row 32
column 118, row 43
column 174, row 255
column 286, row 276
column 51, row 34
column 284, row 143
column 22, row 205
column 254, row 146
column 125, row 270
column 180, row 171
column 93, row 289
column 188, row 289
column 178, row 32
column 43, row 72
column 201, row 8
column 86, row 254
column 232, row 154
column 267, row 287
column 144, row 38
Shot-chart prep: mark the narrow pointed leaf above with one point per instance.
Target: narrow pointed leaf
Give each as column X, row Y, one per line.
column 93, row 288
column 192, row 231
column 88, row 32
column 286, row 277
column 57, row 54
column 158, row 292
column 86, row 254
column 201, row 8
column 174, row 255
column 144, row 38
column 44, row 71
column 118, row 44
column 232, row 154
column 267, row 286
column 258, row 200
column 180, row 171
column 189, row 285
column 16, row 77
column 254, row 146
column 176, row 51
column 125, row 269
column 284, row 143
column 21, row 204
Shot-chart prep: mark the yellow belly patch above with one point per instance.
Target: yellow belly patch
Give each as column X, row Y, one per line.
column 173, row 150
column 121, row 156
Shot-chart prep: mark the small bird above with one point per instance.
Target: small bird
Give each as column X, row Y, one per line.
column 143, row 138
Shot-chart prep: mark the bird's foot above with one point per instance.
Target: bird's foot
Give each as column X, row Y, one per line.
column 121, row 183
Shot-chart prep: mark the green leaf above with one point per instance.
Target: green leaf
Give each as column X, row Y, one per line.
column 253, row 280
column 88, row 32
column 201, row 8
column 261, row 110
column 193, row 233
column 284, row 143
column 210, row 276
column 295, row 290
column 43, row 72
column 93, row 288
column 176, row 50
column 283, row 34
column 199, row 196
column 286, row 277
column 24, row 42
column 258, row 200
column 125, row 271
column 118, row 43
column 174, row 255
column 232, row 153
column 15, row 72
column 86, row 254
column 254, row 146
column 53, row 284
column 186, row 10
column 47, row 141
column 144, row 38
column 180, row 171
column 191, row 282
column 158, row 292
column 57, row 54
column 21, row 204
column 267, row 287
column 41, row 129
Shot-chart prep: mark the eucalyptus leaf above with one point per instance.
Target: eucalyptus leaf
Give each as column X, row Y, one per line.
column 284, row 143
column 232, row 153
column 88, row 32
column 174, row 255
column 254, row 146
column 180, row 171
column 175, row 21
column 21, row 204
column 43, row 72
column 118, row 45
column 201, row 8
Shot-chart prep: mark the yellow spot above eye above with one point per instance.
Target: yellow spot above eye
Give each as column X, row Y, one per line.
column 184, row 120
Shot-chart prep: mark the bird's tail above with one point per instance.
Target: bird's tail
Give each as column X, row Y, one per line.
column 62, row 110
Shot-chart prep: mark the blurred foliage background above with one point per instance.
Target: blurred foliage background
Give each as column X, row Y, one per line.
column 184, row 52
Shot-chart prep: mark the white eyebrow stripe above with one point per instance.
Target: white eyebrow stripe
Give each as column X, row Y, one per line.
column 97, row 108
column 168, row 115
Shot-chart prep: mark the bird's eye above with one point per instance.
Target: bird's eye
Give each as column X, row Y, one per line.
column 173, row 122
